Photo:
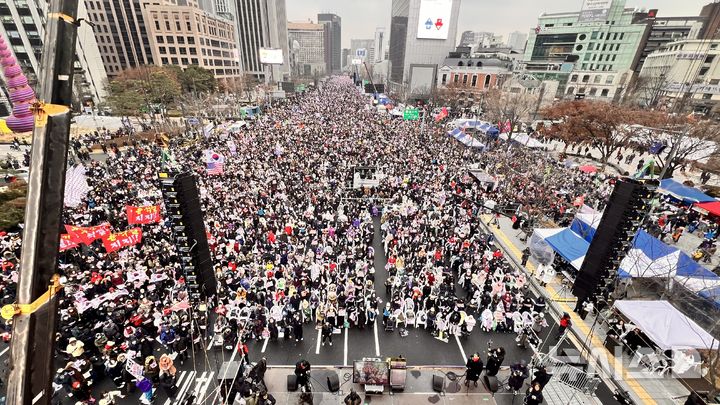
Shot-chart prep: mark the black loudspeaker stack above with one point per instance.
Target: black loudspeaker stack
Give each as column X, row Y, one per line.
column 438, row 383
column 182, row 206
column 292, row 384
column 623, row 216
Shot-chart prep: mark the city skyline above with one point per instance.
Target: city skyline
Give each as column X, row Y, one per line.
column 359, row 24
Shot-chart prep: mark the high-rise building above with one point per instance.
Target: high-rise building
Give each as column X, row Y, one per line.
column 121, row 34
column 187, row 35
column 222, row 7
column 22, row 24
column 517, row 40
column 418, row 37
column 263, row 24
column 592, row 54
column 367, row 44
column 477, row 40
column 333, row 41
column 686, row 72
column 662, row 30
column 380, row 46
column 307, row 48
column 345, row 57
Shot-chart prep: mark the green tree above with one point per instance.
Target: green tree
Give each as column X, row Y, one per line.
column 196, row 79
column 135, row 90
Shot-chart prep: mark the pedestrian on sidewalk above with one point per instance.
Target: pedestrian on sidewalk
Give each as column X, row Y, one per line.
column 565, row 323
column 525, row 256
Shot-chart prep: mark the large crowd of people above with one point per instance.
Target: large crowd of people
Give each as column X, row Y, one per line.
column 292, row 240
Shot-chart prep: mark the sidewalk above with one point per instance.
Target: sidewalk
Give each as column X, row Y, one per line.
column 418, row 389
column 650, row 390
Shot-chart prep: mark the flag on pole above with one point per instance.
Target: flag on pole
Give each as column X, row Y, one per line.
column 442, row 115
column 215, row 163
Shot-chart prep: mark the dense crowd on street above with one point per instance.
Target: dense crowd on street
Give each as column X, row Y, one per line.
column 292, row 241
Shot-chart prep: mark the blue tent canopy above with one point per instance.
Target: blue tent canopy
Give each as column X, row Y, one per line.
column 571, row 246
column 712, row 294
column 465, row 139
column 682, row 192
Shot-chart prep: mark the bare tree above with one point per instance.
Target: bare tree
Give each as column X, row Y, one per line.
column 509, row 106
column 647, row 91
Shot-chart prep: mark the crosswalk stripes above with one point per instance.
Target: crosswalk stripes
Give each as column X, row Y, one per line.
column 191, row 383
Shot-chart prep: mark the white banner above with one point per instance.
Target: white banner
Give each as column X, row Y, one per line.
column 594, row 10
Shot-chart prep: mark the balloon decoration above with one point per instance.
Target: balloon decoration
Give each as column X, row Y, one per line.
column 21, row 95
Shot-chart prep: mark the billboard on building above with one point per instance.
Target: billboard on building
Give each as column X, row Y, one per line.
column 595, row 10
column 271, row 56
column 434, row 19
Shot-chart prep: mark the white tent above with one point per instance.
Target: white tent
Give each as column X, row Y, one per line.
column 665, row 325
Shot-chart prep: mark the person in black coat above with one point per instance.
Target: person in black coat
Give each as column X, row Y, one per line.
column 297, row 329
column 540, row 377
column 494, row 361
column 302, row 371
column 474, row 367
column 534, row 395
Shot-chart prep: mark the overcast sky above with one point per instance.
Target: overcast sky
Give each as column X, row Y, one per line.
column 360, row 17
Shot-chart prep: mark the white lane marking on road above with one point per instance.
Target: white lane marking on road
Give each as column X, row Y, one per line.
column 198, row 384
column 462, row 351
column 345, row 351
column 201, row 394
column 265, row 345
column 212, row 339
column 185, row 387
column 317, row 346
column 377, row 342
column 4, row 351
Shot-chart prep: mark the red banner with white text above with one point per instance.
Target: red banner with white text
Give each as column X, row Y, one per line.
column 88, row 234
column 143, row 215
column 117, row 241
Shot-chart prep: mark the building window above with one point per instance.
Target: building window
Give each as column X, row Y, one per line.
column 456, row 78
column 487, row 82
column 157, row 25
column 194, row 61
column 174, row 61
column 444, row 78
column 703, row 71
column 177, row 26
column 604, row 93
column 184, row 61
column 707, row 96
column 582, row 37
column 622, row 35
column 571, row 90
column 172, row 50
column 181, row 40
column 170, row 39
column 473, row 83
column 713, row 46
column 191, row 40
column 573, row 78
column 162, row 49
column 609, row 79
column 579, row 48
column 586, row 78
column 159, row 39
column 167, row 25
column 594, row 35
column 593, row 92
column 188, row 26
column 709, row 58
column 597, row 79
column 164, row 61
column 465, row 77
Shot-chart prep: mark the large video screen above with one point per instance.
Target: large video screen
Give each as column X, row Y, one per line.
column 371, row 372
column 271, row 56
column 434, row 19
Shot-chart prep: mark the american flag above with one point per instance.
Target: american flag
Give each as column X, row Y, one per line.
column 215, row 163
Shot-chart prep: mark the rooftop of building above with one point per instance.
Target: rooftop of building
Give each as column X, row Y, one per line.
column 305, row 26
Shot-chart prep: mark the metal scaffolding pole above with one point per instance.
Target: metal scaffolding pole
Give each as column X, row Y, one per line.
column 34, row 322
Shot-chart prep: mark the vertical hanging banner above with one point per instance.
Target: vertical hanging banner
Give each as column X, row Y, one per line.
column 143, row 215
column 117, row 241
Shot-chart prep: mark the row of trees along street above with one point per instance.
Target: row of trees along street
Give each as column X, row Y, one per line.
column 609, row 128
column 188, row 91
